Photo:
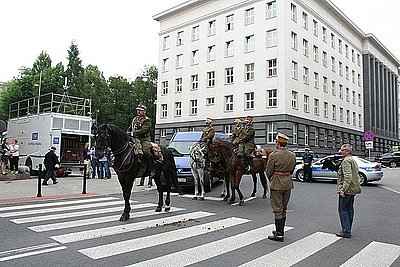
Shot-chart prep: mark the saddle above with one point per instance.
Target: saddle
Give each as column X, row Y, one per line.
column 156, row 152
column 258, row 152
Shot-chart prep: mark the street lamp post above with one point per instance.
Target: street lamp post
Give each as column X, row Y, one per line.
column 39, row 88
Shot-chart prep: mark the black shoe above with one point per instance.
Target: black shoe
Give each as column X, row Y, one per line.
column 276, row 236
column 4, row 173
column 341, row 234
column 55, row 182
column 45, row 184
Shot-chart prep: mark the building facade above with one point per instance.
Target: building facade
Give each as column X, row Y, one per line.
column 299, row 67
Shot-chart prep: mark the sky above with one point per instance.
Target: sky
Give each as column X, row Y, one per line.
column 121, row 37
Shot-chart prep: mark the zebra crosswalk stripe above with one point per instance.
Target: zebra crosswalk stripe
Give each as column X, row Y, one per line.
column 28, row 254
column 97, row 220
column 77, row 214
column 298, row 251
column 375, row 254
column 209, row 250
column 119, row 229
column 159, row 239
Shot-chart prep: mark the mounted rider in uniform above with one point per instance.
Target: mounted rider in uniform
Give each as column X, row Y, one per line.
column 236, row 132
column 246, row 142
column 208, row 134
column 140, row 129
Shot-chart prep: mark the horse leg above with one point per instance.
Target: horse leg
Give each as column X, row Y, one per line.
column 126, row 185
column 196, row 183
column 157, row 180
column 241, row 201
column 233, row 187
column 228, row 193
column 253, row 194
column 264, row 183
column 168, row 198
column 223, row 192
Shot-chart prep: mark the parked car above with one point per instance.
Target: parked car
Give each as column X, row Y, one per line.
column 367, row 171
column 300, row 152
column 391, row 160
column 179, row 146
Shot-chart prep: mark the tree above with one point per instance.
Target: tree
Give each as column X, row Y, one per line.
column 75, row 72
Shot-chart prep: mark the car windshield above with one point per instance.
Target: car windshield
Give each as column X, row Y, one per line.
column 181, row 146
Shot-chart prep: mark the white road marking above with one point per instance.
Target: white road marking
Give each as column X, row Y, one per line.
column 31, row 253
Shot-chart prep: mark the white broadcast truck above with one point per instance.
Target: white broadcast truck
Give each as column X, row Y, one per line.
column 51, row 120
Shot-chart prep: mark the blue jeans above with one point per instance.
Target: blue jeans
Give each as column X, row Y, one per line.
column 106, row 166
column 346, row 213
column 95, row 167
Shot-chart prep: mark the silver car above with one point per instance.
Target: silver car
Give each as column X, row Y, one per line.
column 367, row 171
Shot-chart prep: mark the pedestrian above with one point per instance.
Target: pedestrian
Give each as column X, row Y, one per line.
column 307, row 161
column 279, row 170
column 14, row 158
column 348, row 187
column 86, row 155
column 105, row 172
column 5, row 154
column 95, row 164
column 50, row 162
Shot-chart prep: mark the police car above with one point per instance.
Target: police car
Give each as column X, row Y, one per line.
column 367, row 171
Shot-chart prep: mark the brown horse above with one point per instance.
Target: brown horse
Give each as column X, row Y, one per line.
column 235, row 166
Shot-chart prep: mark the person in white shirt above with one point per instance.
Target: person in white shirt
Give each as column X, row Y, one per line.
column 14, row 156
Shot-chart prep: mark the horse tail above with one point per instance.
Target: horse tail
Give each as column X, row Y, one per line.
column 169, row 160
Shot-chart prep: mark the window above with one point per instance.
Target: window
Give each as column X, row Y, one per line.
column 272, row 68
column 195, row 57
column 166, row 42
column 333, row 112
column 178, row 85
column 211, row 79
column 178, row 109
column 353, row 59
column 211, row 53
column 163, row 133
column 295, row 130
column 359, row 79
column 271, row 9
column 346, row 50
column 332, row 40
column 249, row 72
column 306, row 75
column 229, row 49
column 295, row 96
column 333, row 88
column 293, row 10
column 358, row 60
column 228, row 129
column 249, row 100
column 315, row 27
column 316, row 80
column 347, row 94
column 164, row 86
column 272, row 100
column 249, row 16
column 325, row 84
column 305, row 47
column 306, row 103
column 195, row 33
column 306, row 131
column 316, row 106
column 179, row 61
column 324, row 34
column 229, row 75
column 359, row 99
column 179, row 38
column 249, row 44
column 164, row 111
column 271, row 132
column 229, row 23
column 212, row 28
column 294, row 70
column 348, row 116
column 340, row 46
column 347, row 73
column 324, row 59
column 305, row 20
column 193, row 107
column 333, row 64
column 359, row 120
column 325, row 111
column 165, row 64
column 315, row 52
column 316, row 137
column 194, row 80
column 353, row 76
column 272, row 39
column 353, row 94
column 340, row 91
column 210, row 101
column 229, row 103
column 354, row 119
column 294, row 40
column 340, row 68
column 341, row 114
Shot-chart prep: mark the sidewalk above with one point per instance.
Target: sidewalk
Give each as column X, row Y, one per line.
column 16, row 189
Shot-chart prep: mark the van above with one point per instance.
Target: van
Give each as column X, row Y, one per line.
column 179, row 146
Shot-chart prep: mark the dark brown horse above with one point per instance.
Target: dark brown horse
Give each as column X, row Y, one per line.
column 223, row 152
column 128, row 166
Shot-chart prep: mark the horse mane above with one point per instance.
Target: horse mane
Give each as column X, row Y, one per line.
column 115, row 129
column 223, row 144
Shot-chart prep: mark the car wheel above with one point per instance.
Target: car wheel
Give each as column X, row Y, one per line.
column 300, row 175
column 392, row 164
column 207, row 182
column 362, row 178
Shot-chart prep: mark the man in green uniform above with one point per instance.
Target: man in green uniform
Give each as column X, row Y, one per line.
column 236, row 132
column 140, row 130
column 279, row 170
column 208, row 134
column 246, row 142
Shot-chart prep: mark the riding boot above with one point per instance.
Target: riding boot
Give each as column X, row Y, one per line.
column 278, row 234
column 150, row 163
column 250, row 165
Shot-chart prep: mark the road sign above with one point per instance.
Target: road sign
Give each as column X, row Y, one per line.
column 369, row 144
column 369, row 135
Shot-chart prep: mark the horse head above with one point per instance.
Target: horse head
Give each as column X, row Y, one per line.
column 332, row 164
column 102, row 138
column 220, row 150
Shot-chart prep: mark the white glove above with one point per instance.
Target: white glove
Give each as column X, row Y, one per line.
column 56, row 166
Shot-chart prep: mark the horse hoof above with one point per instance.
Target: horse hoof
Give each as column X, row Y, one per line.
column 194, row 198
column 226, row 198
column 264, row 196
column 241, row 203
column 167, row 209
column 158, row 209
column 222, row 195
column 253, row 195
column 201, row 198
column 124, row 217
column 230, row 202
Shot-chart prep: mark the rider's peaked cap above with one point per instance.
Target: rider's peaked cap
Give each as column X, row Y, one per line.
column 238, row 120
column 282, row 138
column 209, row 120
column 141, row 107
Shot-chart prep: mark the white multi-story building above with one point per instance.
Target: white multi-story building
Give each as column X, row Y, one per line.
column 296, row 66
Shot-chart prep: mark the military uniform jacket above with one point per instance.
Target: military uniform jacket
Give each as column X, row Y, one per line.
column 208, row 134
column 235, row 135
column 247, row 136
column 281, row 161
column 141, row 127
column 348, row 177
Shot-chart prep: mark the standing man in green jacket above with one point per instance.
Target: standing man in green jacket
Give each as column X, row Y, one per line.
column 348, row 187
column 279, row 170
